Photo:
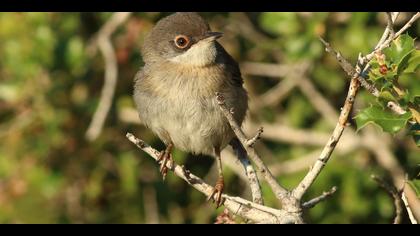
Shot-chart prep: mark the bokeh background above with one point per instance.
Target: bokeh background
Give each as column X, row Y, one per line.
column 50, row 85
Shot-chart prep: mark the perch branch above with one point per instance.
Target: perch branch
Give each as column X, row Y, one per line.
column 239, row 206
column 103, row 41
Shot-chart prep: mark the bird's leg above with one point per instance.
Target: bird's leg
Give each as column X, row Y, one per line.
column 164, row 157
column 220, row 184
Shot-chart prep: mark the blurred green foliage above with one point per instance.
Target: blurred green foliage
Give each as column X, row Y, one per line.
column 49, row 90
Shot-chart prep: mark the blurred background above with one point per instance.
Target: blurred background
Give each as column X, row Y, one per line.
column 51, row 77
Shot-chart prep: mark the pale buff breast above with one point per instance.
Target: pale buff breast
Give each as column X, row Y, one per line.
column 182, row 108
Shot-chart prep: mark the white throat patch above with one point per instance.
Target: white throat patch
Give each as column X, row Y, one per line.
column 200, row 54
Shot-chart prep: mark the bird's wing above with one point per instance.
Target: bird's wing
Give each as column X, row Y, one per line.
column 231, row 66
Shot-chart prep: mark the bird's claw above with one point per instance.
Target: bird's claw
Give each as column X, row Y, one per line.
column 216, row 195
column 165, row 157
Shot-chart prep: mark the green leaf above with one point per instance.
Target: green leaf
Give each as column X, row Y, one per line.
column 413, row 62
column 387, row 96
column 388, row 121
column 400, row 47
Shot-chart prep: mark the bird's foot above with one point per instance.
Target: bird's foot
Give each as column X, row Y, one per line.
column 217, row 192
column 165, row 157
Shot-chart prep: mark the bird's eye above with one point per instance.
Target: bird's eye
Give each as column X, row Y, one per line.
column 182, row 41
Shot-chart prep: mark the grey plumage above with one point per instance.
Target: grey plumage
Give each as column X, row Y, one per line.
column 175, row 91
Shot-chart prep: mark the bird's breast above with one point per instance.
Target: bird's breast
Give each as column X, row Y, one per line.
column 181, row 103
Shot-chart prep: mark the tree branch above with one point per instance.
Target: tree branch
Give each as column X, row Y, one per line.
column 239, row 206
column 395, row 195
column 408, row 24
column 279, row 191
column 257, row 136
column 311, row 203
column 249, row 171
column 310, row 177
column 407, row 206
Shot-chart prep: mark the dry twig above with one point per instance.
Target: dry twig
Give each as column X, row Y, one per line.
column 395, row 195
column 311, row 203
column 251, row 175
column 332, row 142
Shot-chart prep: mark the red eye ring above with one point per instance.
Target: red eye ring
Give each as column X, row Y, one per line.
column 181, row 41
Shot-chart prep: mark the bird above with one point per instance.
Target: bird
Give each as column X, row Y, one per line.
column 174, row 92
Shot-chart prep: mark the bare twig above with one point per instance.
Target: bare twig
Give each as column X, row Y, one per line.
column 239, row 206
column 387, row 160
column 388, row 36
column 256, row 137
column 311, row 203
column 348, row 68
column 407, row 25
column 392, row 36
column 346, row 65
column 249, row 171
column 389, row 29
column 111, row 72
column 395, row 195
column 310, row 177
column 407, row 206
column 279, row 191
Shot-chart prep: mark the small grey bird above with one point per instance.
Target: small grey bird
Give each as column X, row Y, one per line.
column 175, row 90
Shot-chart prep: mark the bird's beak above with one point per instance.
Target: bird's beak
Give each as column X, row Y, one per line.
column 211, row 36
